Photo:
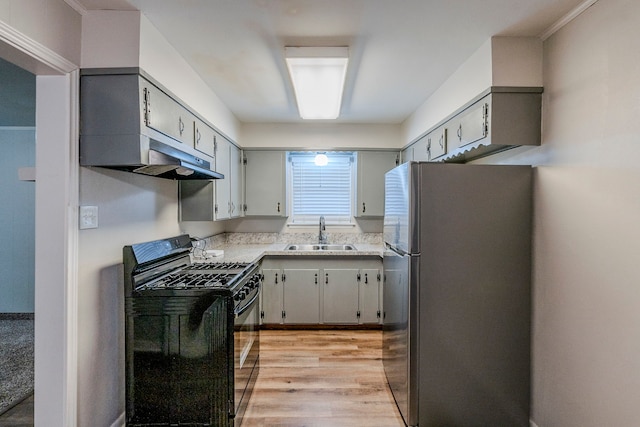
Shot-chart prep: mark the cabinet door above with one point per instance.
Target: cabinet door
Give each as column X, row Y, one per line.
column 407, row 154
column 301, row 296
column 372, row 165
column 165, row 115
column 369, row 295
column 340, row 296
column 223, row 188
column 265, row 183
column 204, row 137
column 272, row 296
column 235, row 168
column 437, row 143
column 421, row 149
column 472, row 125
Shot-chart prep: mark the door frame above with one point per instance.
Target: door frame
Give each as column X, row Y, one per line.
column 56, row 230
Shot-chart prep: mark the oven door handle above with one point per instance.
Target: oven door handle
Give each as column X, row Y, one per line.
column 246, row 307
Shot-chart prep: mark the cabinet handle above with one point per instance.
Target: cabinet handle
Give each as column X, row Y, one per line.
column 460, row 132
column 326, row 278
column 364, row 208
column 276, row 282
column 366, row 279
column 198, row 136
column 316, row 278
column 429, row 148
column 180, row 125
column 278, row 206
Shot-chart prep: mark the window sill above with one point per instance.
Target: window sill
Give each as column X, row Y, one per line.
column 315, row 224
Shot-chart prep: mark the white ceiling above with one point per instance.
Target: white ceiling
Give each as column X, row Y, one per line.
column 400, row 50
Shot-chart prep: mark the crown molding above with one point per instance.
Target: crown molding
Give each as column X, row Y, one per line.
column 566, row 19
column 77, row 6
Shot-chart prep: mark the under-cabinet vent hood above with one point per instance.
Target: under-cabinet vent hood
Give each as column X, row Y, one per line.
column 131, row 123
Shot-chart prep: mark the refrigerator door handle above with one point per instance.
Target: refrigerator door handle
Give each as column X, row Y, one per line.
column 398, row 251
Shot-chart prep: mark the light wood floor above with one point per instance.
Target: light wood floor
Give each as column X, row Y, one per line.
column 321, row 379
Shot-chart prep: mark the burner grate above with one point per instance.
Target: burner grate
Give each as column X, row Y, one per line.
column 217, row 266
column 184, row 281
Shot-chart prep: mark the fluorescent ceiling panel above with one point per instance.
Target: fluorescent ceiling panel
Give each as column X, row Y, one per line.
column 318, row 75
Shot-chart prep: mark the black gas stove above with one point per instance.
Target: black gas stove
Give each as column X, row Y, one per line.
column 192, row 339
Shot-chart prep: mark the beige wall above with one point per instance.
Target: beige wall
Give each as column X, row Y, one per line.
column 51, row 23
column 131, row 208
column 323, row 136
column 500, row 61
column 586, row 339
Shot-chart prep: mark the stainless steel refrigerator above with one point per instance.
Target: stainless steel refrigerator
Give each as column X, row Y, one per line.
column 457, row 293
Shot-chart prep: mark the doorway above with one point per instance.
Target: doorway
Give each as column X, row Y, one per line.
column 17, row 229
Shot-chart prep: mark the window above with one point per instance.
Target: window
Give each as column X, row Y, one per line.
column 320, row 190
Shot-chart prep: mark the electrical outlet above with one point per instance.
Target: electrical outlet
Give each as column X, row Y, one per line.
column 88, row 217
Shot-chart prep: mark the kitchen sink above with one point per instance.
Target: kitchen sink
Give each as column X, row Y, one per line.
column 319, row 247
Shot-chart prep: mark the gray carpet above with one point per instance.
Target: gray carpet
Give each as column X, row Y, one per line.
column 16, row 360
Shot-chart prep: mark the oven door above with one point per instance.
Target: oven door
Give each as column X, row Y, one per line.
column 246, row 351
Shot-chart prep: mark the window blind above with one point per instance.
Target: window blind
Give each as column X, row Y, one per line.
column 321, row 190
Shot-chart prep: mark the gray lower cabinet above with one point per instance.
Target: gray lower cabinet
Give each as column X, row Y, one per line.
column 370, row 295
column 340, row 295
column 321, row 290
column 290, row 296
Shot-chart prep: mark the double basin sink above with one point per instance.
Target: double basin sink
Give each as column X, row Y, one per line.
column 320, row 247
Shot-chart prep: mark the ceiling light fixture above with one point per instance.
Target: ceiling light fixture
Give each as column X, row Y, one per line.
column 321, row 159
column 318, row 75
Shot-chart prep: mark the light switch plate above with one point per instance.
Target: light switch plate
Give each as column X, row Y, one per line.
column 88, row 217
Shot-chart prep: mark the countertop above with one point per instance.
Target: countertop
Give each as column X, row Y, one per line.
column 255, row 252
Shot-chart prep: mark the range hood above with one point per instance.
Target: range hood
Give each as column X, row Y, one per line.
column 130, row 122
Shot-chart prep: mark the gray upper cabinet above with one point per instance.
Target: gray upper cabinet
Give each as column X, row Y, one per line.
column 220, row 199
column 204, row 137
column 223, row 186
column 421, row 150
column 236, row 183
column 265, row 183
column 165, row 115
column 372, row 165
column 437, row 143
column 496, row 120
column 229, row 190
column 471, row 125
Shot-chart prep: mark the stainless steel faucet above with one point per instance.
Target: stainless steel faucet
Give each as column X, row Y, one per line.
column 322, row 235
